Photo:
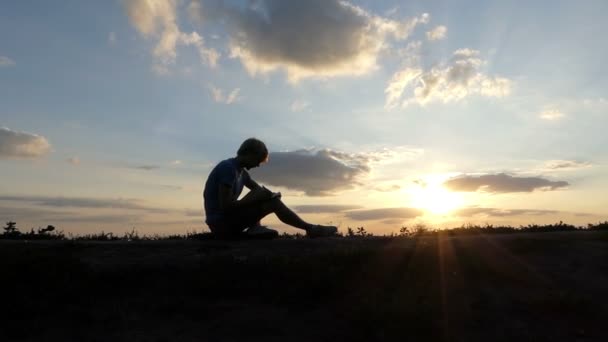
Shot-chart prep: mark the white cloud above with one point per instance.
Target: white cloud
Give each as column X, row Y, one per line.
column 176, row 162
column 396, row 86
column 218, row 95
column 314, row 38
column 298, row 105
column 437, row 33
column 6, row 62
column 449, row 82
column 158, row 19
column 14, row 144
column 596, row 103
column 551, row 114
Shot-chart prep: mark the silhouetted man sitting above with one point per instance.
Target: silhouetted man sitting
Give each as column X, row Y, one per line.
column 228, row 217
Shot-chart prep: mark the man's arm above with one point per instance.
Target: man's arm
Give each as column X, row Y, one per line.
column 250, row 183
column 228, row 203
column 254, row 186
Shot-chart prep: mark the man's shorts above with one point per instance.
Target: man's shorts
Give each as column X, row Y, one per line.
column 236, row 222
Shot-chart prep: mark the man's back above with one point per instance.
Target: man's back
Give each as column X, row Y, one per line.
column 227, row 172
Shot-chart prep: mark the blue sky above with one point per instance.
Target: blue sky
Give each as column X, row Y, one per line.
column 113, row 113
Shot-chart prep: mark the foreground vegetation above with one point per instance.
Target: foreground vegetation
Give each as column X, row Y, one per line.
column 427, row 286
column 11, row 232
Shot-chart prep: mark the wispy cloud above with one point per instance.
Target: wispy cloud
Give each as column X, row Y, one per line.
column 219, row 96
column 83, row 202
column 384, row 214
column 437, row 33
column 600, row 102
column 134, row 165
column 565, row 165
column 324, row 208
column 314, row 38
column 451, row 81
column 46, row 216
column 73, row 160
column 158, row 19
column 6, row 62
column 146, row 167
column 551, row 114
column 387, row 188
column 112, row 38
column 298, row 106
column 502, row 183
column 15, row 144
column 495, row 212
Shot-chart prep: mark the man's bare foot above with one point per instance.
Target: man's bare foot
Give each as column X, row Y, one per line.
column 317, row 230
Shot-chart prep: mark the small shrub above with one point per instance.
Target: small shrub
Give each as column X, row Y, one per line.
column 350, row 232
column 362, row 232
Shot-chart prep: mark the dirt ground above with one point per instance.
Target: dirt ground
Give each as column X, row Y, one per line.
column 496, row 287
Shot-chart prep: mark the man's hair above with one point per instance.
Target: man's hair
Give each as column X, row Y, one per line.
column 253, row 146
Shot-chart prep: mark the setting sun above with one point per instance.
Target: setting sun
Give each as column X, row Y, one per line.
column 435, row 199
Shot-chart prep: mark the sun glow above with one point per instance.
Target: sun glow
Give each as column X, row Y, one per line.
column 434, row 198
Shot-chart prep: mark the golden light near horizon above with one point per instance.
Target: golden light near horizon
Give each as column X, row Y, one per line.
column 432, row 197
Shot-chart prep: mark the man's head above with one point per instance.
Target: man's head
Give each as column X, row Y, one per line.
column 252, row 153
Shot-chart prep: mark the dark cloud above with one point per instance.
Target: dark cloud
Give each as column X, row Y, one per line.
column 317, row 173
column 101, row 219
column 14, row 144
column 324, row 208
column 306, row 38
column 392, row 221
column 502, row 183
column 81, row 202
column 15, row 214
column 383, row 214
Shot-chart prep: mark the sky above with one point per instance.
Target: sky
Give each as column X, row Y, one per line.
column 379, row 114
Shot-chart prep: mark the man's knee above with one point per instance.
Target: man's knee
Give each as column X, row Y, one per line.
column 272, row 204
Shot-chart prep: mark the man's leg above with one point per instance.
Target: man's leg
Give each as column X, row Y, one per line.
column 287, row 216
column 256, row 212
column 284, row 214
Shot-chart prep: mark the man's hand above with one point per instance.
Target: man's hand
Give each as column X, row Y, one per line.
column 257, row 195
column 272, row 194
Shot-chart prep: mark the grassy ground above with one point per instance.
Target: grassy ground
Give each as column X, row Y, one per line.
column 499, row 287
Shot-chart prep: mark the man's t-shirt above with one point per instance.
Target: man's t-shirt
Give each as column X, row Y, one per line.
column 226, row 172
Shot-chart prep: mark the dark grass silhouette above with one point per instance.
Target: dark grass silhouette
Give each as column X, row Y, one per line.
column 11, row 232
column 468, row 284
